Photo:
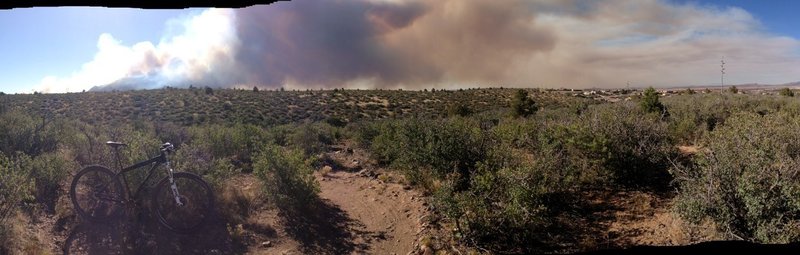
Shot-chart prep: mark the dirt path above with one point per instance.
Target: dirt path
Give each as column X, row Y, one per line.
column 389, row 215
column 361, row 211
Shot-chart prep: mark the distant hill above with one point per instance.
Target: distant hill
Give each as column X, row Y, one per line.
column 268, row 107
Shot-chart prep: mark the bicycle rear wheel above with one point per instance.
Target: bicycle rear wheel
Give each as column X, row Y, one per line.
column 95, row 194
column 196, row 197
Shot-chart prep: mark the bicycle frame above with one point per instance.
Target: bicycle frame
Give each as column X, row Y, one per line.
column 158, row 160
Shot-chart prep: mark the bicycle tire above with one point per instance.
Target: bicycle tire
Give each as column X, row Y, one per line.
column 105, row 184
column 194, row 192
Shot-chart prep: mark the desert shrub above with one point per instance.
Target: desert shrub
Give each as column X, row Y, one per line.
column 335, row 121
column 519, row 133
column 199, row 160
column 384, row 137
column 650, row 101
column 508, row 202
column 288, row 180
column 638, row 146
column 234, row 143
column 616, row 144
column 429, row 150
column 141, row 145
column 522, row 105
column 363, row 132
column 280, row 134
column 459, row 109
column 15, row 187
column 706, row 112
column 787, row 92
column 21, row 131
column 746, row 182
column 313, row 138
column 47, row 172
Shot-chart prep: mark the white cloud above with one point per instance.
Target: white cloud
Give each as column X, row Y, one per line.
column 185, row 56
column 563, row 43
column 660, row 44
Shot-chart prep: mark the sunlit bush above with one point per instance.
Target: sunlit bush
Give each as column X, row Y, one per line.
column 16, row 186
column 747, row 181
column 288, row 180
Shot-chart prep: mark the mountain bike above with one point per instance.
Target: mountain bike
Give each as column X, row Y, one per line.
column 181, row 201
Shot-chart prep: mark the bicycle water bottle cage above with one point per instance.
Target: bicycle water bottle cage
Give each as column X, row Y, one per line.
column 115, row 145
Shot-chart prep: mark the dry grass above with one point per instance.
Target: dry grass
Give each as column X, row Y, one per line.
column 239, row 197
column 19, row 239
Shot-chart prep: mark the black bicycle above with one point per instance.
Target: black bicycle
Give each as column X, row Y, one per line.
column 181, row 201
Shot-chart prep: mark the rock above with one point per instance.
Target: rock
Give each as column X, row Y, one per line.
column 266, row 244
column 367, row 173
column 426, row 250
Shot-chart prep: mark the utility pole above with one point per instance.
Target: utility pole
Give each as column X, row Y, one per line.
column 722, row 72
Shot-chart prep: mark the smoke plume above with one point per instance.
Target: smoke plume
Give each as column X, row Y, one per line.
column 450, row 43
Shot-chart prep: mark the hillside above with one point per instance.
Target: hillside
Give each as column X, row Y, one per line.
column 265, row 108
column 474, row 171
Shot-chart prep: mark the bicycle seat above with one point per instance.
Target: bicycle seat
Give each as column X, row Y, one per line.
column 115, row 144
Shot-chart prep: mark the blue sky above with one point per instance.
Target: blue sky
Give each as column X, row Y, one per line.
column 57, row 42
column 778, row 16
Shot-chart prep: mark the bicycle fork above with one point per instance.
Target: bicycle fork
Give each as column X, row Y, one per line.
column 174, row 187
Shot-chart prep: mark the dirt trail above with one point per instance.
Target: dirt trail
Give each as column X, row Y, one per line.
column 389, row 215
column 386, row 216
column 362, row 210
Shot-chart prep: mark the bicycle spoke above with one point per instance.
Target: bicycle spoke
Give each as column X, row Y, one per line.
column 95, row 192
column 195, row 196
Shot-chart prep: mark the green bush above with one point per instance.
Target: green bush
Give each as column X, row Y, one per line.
column 787, row 92
column 15, row 187
column 522, row 105
column 21, row 131
column 199, row 160
column 363, row 133
column 313, row 138
column 519, row 133
column 288, row 179
column 428, row 150
column 235, row 144
column 48, row 171
column 746, row 182
column 507, row 204
column 650, row 101
column 613, row 144
column 459, row 109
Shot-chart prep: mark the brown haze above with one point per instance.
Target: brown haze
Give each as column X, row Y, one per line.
column 455, row 43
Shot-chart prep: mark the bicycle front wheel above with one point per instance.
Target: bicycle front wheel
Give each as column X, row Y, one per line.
column 96, row 194
column 195, row 197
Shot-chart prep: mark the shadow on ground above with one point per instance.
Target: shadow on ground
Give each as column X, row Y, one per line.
column 715, row 247
column 144, row 235
column 324, row 228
